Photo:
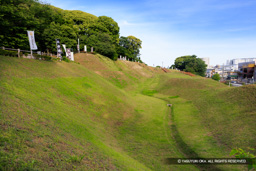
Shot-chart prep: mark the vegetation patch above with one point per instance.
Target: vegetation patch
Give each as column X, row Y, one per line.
column 173, row 97
column 149, row 92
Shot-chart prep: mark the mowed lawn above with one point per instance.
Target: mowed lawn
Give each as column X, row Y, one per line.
column 209, row 118
column 100, row 114
column 63, row 116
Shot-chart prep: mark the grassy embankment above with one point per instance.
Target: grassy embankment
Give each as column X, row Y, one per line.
column 113, row 115
column 209, row 118
column 62, row 115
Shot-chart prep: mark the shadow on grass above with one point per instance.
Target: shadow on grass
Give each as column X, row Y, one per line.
column 185, row 149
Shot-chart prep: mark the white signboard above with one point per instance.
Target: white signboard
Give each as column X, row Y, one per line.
column 68, row 53
column 85, row 48
column 32, row 41
column 72, row 56
column 64, row 46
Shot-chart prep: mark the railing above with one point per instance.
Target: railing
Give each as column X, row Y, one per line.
column 30, row 53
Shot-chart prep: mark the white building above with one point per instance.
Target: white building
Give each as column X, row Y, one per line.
column 206, row 61
column 232, row 65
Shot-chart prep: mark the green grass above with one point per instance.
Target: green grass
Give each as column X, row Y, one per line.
column 64, row 116
column 149, row 92
column 210, row 118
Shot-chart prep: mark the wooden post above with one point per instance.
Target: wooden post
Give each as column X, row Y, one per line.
column 19, row 53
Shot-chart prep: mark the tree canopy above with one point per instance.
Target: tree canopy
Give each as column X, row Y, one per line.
column 51, row 23
column 191, row 64
column 130, row 47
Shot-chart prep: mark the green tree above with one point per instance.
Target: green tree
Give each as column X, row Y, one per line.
column 123, row 46
column 130, row 47
column 16, row 17
column 50, row 23
column 65, row 33
column 111, row 26
column 102, row 44
column 191, row 64
column 216, row 77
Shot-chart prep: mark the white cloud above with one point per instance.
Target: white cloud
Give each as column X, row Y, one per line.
column 169, row 29
column 124, row 23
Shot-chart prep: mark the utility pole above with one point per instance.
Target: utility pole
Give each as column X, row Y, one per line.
column 223, row 72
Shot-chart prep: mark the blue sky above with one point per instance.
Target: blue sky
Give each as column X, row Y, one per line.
column 218, row 29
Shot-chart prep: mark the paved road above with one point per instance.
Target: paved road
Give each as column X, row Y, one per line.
column 236, row 85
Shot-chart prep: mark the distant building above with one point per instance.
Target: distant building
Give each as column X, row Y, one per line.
column 247, row 69
column 206, row 61
column 243, row 69
column 232, row 75
column 232, row 65
column 210, row 72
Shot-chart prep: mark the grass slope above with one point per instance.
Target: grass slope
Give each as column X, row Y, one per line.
column 228, row 112
column 62, row 116
column 106, row 115
column 210, row 118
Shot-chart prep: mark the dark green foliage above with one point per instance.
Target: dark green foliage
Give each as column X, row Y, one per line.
column 64, row 58
column 172, row 67
column 50, row 23
column 19, row 16
column 65, row 33
column 3, row 52
column 8, row 53
column 101, row 42
column 42, row 57
column 191, row 64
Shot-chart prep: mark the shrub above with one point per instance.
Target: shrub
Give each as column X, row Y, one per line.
column 55, row 59
column 13, row 54
column 8, row 53
column 2, row 52
column 46, row 58
column 240, row 153
column 64, row 58
column 216, row 77
column 36, row 56
column 42, row 57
